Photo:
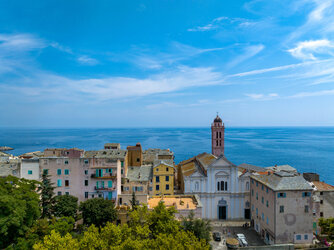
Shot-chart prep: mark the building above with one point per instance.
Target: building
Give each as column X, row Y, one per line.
column 323, row 200
column 112, row 146
column 30, row 169
column 281, row 208
column 217, row 136
column 163, row 178
column 184, row 204
column 153, row 154
column 135, row 155
column 282, row 168
column 10, row 167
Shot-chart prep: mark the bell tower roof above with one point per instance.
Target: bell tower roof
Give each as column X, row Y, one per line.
column 218, row 119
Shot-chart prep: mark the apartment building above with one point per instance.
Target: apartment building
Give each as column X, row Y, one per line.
column 281, row 208
column 163, row 178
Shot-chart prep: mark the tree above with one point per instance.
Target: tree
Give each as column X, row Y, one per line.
column 199, row 227
column 133, row 201
column 56, row 241
column 65, row 205
column 18, row 208
column 327, row 227
column 47, row 199
column 98, row 211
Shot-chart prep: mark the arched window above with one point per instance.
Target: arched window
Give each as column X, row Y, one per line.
column 226, row 186
column 220, row 134
column 216, row 142
column 218, row 186
column 196, row 186
column 217, row 134
column 220, row 143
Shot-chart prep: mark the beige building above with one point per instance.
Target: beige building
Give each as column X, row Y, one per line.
column 281, row 208
column 10, row 167
column 135, row 155
column 184, row 204
column 163, row 178
column 30, row 169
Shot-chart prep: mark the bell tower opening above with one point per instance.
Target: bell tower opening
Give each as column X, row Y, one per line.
column 217, row 136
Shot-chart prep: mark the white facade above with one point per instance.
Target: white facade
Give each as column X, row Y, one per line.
column 30, row 169
column 223, row 191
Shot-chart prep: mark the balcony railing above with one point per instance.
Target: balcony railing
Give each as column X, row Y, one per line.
column 105, row 175
column 105, row 188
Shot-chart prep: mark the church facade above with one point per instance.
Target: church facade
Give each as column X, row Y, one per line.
column 221, row 187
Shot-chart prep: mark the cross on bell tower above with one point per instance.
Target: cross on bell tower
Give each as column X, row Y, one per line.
column 217, row 136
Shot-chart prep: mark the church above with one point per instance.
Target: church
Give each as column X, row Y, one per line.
column 222, row 187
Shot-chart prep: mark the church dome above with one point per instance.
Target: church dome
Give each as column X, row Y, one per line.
column 218, row 119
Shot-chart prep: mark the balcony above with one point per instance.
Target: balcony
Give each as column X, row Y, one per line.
column 104, row 188
column 105, row 176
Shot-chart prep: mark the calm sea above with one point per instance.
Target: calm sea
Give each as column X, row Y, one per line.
column 307, row 149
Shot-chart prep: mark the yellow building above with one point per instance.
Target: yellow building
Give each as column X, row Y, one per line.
column 163, row 179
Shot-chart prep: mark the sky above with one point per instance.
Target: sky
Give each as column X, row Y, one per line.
column 166, row 63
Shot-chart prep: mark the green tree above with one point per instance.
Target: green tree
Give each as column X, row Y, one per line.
column 47, row 199
column 66, row 205
column 133, row 201
column 18, row 208
column 199, row 227
column 98, row 211
column 327, row 227
column 56, row 241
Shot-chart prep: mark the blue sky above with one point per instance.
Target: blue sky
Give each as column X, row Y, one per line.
column 166, row 63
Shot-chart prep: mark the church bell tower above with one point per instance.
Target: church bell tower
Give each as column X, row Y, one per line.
column 217, row 136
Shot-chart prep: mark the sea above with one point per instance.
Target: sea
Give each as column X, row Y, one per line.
column 308, row 149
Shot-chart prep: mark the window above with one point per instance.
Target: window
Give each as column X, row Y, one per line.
column 252, row 192
column 86, row 182
column 122, row 171
column 66, row 162
column 157, row 187
column 247, row 185
column 157, row 169
column 150, row 188
column 226, row 186
column 196, row 186
column 321, row 193
column 29, row 171
column 167, row 178
column 321, row 202
column 262, row 200
column 252, row 207
column 138, row 159
column 267, row 203
column 86, row 162
column 167, row 186
column 59, row 183
column 281, row 195
column 298, row 237
column 305, row 237
column 157, row 179
column 45, row 162
column 252, row 181
column 281, row 209
column 67, row 193
column 92, row 196
column 257, row 212
column 67, row 183
column 86, row 172
column 257, row 197
column 262, row 216
column 67, row 172
column 267, row 220
column 59, row 193
column 266, row 190
column 218, row 186
column 257, row 184
column 321, row 214
column 167, row 169
column 100, row 195
column 58, row 171
column 306, row 194
column 262, row 187
column 306, row 209
column 86, row 195
column 45, row 171
column 109, row 184
column 122, row 163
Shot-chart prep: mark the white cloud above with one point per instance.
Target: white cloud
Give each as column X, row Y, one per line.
column 248, row 52
column 220, row 21
column 20, row 43
column 86, row 60
column 307, row 50
column 313, row 93
column 262, row 97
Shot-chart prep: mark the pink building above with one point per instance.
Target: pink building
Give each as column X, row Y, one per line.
column 217, row 136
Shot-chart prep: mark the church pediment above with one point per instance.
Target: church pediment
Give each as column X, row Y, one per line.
column 222, row 174
column 222, row 162
column 196, row 174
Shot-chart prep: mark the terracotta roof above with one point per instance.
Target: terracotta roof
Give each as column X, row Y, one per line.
column 322, row 186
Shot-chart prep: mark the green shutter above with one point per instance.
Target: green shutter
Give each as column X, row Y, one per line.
column 97, row 184
column 97, row 173
column 109, row 184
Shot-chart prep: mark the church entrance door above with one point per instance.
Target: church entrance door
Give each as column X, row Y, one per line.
column 222, row 213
